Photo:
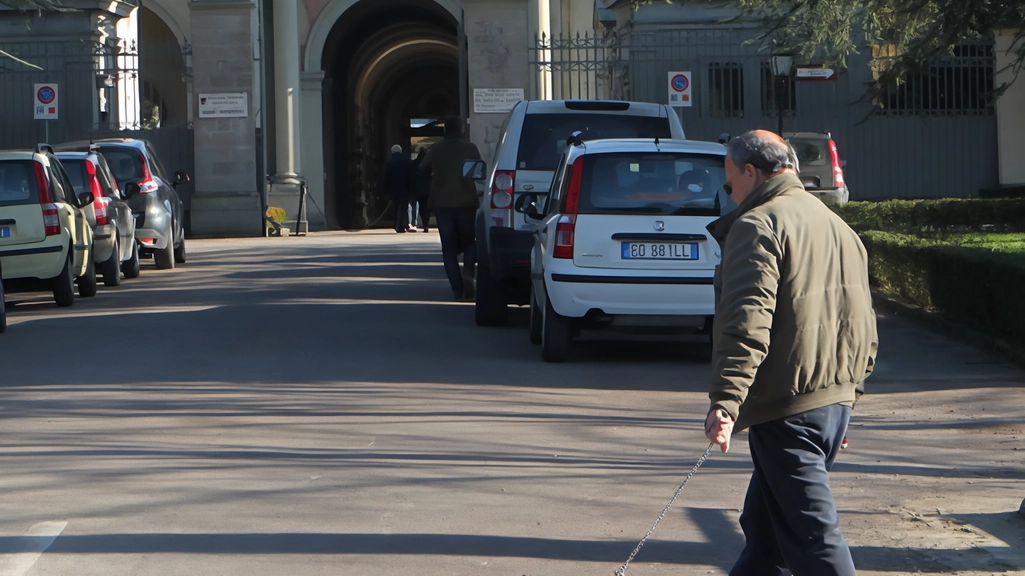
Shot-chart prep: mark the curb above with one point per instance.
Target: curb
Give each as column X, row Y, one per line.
column 936, row 322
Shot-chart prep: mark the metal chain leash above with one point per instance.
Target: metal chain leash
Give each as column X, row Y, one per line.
column 622, row 569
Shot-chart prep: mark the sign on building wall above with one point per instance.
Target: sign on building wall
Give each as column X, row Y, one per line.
column 231, row 105
column 496, row 100
column 680, row 89
column 45, row 102
column 815, row 73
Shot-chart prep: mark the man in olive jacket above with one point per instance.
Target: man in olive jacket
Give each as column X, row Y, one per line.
column 795, row 338
column 453, row 199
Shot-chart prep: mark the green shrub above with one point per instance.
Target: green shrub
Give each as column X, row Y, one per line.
column 976, row 286
column 936, row 217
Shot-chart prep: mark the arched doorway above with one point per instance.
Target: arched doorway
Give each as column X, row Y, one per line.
column 389, row 65
column 163, row 92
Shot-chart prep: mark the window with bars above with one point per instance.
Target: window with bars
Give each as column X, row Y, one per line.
column 951, row 86
column 773, row 87
column 726, row 89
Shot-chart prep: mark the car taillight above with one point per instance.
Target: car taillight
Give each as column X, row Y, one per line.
column 41, row 185
column 147, row 185
column 502, row 197
column 100, row 203
column 564, row 231
column 100, row 207
column 566, row 227
column 834, row 155
column 51, row 221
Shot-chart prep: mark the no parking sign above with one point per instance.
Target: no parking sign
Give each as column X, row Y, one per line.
column 45, row 106
column 680, row 89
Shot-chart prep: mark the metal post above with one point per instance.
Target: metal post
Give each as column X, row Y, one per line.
column 781, row 83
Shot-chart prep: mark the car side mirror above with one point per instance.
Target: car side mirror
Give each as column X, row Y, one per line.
column 131, row 189
column 532, row 211
column 475, row 170
column 181, row 178
column 85, row 199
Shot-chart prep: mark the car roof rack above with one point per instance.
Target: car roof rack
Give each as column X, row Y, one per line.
column 44, row 147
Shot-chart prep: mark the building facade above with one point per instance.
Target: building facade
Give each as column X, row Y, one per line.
column 256, row 97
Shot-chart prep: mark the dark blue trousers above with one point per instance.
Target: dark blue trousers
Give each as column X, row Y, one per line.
column 789, row 517
column 456, row 228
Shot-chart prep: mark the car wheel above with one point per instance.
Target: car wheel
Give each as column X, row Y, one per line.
column 131, row 266
column 64, row 285
column 490, row 308
column 87, row 282
column 179, row 252
column 556, row 335
column 164, row 259
column 3, row 310
column 536, row 319
column 112, row 267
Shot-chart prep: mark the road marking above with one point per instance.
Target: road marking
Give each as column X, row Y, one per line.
column 29, row 548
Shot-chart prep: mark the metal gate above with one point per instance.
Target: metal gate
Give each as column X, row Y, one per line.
column 936, row 137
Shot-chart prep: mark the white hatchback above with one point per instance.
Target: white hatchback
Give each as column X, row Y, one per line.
column 622, row 241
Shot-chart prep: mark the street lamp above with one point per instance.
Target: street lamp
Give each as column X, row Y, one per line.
column 781, row 65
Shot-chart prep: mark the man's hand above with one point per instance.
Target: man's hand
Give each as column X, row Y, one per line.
column 719, row 428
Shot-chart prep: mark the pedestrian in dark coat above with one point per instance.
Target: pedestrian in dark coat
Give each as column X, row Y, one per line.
column 398, row 184
column 454, row 201
column 422, row 190
column 795, row 339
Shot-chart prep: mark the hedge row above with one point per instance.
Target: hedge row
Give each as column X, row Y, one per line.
column 977, row 287
column 936, row 217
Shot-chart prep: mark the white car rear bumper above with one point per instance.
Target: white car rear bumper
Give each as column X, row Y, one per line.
column 658, row 294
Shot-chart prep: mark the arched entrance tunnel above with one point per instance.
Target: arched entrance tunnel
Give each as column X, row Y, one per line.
column 390, row 65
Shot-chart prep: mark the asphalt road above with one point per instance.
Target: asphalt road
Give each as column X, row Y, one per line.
column 318, row 406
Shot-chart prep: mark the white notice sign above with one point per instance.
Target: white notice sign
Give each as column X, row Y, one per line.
column 45, row 102
column 232, row 105
column 496, row 100
column 680, row 89
column 812, row 73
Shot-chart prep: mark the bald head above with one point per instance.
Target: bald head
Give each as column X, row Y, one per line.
column 764, row 150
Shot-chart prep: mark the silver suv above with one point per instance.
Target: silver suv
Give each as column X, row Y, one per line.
column 531, row 143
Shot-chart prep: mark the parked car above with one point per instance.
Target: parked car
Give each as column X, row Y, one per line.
column 820, row 165
column 46, row 241
column 3, row 304
column 622, row 244
column 159, row 214
column 530, row 144
column 114, row 246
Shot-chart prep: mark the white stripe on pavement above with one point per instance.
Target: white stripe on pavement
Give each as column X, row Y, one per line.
column 29, row 548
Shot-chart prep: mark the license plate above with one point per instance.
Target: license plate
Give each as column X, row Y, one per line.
column 5, row 232
column 659, row 251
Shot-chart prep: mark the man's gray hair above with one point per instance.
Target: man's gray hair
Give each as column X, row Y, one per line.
column 766, row 154
column 396, row 149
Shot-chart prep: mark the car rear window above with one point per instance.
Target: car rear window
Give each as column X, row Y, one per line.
column 125, row 163
column 543, row 139
column 18, row 183
column 76, row 172
column 653, row 183
column 811, row 152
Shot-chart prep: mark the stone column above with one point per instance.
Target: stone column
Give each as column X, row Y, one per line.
column 496, row 35
column 284, row 185
column 226, row 201
column 1010, row 112
column 312, row 142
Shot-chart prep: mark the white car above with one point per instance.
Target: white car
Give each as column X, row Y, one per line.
column 622, row 242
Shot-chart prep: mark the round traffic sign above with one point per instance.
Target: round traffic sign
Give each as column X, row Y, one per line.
column 46, row 95
column 680, row 83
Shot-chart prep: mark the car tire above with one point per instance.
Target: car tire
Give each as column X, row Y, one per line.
column 164, row 259
column 490, row 308
column 112, row 267
column 556, row 335
column 64, row 285
column 87, row 282
column 179, row 252
column 536, row 319
column 131, row 266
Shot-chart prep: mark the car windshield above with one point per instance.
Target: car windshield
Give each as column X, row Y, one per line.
column 125, row 163
column 17, row 183
column 544, row 136
column 654, row 183
column 75, row 169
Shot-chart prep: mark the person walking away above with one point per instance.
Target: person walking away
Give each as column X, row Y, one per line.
column 422, row 190
column 795, row 338
column 453, row 199
column 398, row 183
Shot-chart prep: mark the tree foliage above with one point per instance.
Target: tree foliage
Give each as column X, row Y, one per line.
column 904, row 35
column 31, row 5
